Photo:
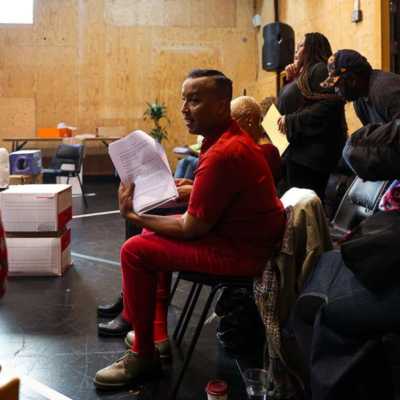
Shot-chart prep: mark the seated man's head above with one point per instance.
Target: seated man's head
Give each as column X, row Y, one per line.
column 248, row 114
column 349, row 74
column 206, row 96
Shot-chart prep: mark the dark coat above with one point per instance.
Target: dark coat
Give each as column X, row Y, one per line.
column 383, row 102
column 372, row 252
column 373, row 152
column 317, row 132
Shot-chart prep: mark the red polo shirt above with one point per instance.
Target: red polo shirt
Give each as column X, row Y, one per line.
column 234, row 188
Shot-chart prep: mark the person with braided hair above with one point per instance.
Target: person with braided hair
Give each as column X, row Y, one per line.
column 313, row 117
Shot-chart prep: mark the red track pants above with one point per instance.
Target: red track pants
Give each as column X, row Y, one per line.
column 147, row 261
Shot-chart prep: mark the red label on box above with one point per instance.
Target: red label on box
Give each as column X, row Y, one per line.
column 64, row 217
column 65, row 240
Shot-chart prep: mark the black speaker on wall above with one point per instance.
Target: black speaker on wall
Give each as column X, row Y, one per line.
column 278, row 48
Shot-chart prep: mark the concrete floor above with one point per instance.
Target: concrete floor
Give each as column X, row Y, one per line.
column 48, row 328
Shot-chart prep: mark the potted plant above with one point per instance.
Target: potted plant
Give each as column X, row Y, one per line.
column 157, row 112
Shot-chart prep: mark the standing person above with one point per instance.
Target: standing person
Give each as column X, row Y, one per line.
column 233, row 223
column 313, row 118
column 375, row 94
column 376, row 99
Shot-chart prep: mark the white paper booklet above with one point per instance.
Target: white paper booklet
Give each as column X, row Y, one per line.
column 270, row 124
column 141, row 160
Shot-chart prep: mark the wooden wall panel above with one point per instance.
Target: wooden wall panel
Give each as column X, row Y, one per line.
column 96, row 63
column 17, row 117
column 174, row 13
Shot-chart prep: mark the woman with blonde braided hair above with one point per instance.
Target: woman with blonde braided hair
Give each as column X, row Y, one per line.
column 313, row 117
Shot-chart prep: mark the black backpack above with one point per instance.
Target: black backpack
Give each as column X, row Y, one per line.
column 240, row 327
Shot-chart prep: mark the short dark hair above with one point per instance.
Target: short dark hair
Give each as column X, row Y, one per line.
column 222, row 82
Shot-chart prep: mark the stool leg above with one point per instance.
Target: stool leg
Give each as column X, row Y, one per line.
column 189, row 315
column 83, row 191
column 184, row 310
column 193, row 343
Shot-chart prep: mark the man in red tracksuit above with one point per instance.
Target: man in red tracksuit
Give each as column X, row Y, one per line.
column 233, row 223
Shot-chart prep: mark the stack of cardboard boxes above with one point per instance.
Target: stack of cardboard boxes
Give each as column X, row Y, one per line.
column 35, row 219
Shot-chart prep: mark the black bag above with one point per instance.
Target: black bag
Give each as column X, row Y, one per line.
column 372, row 251
column 240, row 327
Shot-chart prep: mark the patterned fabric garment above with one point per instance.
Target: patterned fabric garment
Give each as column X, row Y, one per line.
column 306, row 237
column 391, row 199
column 3, row 260
column 266, row 293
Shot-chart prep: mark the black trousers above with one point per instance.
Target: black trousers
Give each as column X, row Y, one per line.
column 300, row 176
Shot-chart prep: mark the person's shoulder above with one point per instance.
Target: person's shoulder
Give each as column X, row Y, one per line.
column 383, row 86
column 233, row 145
column 389, row 79
column 319, row 67
column 317, row 74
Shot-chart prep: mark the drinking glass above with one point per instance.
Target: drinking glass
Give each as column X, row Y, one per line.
column 256, row 381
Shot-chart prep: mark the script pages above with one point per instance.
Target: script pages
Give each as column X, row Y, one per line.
column 141, row 160
column 270, row 124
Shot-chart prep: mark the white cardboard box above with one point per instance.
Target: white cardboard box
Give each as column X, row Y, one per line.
column 32, row 256
column 36, row 208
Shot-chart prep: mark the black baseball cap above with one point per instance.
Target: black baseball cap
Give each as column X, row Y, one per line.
column 342, row 63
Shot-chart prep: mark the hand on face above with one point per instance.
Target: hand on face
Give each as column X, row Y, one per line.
column 125, row 196
column 291, row 71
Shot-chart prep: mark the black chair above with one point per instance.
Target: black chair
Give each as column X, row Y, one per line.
column 215, row 283
column 360, row 201
column 66, row 162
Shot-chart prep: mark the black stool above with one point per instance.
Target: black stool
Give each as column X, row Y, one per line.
column 199, row 280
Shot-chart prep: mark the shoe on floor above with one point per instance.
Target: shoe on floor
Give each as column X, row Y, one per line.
column 110, row 310
column 127, row 371
column 163, row 347
column 117, row 327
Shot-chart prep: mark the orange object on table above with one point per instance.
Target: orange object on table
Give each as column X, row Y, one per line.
column 48, row 132
column 65, row 132
column 54, row 132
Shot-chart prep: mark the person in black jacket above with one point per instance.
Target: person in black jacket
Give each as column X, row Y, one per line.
column 372, row 151
column 313, row 119
column 375, row 94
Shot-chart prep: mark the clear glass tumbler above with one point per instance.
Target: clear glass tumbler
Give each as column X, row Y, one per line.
column 256, row 381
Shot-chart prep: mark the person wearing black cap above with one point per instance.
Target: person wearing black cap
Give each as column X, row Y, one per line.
column 376, row 98
column 375, row 93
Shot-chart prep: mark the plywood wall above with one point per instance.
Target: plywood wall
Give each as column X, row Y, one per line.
column 333, row 19
column 97, row 62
